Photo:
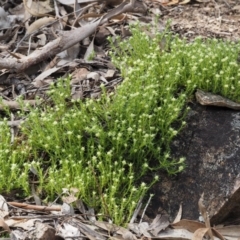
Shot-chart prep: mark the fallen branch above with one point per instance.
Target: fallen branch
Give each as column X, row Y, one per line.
column 34, row 207
column 14, row 105
column 65, row 41
column 15, row 123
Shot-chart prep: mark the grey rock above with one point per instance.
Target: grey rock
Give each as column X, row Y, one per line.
column 211, row 144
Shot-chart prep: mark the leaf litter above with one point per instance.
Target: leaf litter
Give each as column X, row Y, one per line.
column 70, row 37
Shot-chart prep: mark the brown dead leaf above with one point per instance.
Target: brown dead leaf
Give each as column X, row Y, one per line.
column 189, row 225
column 4, row 225
column 199, row 234
column 172, row 2
column 79, row 75
column 69, row 199
column 39, row 23
column 184, row 1
column 162, row 1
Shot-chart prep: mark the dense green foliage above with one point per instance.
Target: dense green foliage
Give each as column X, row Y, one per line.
column 104, row 147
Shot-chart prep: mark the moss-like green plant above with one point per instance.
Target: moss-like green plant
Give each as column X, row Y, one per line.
column 104, row 147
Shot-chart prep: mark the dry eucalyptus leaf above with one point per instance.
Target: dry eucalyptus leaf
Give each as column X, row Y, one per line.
column 189, row 225
column 39, row 23
column 199, row 234
column 175, row 234
column 90, row 51
column 38, row 8
column 19, row 223
column 4, row 225
column 179, row 215
column 79, row 75
column 173, row 2
column 203, row 1
column 45, row 74
column 185, row 1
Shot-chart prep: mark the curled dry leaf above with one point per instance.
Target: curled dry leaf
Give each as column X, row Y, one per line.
column 39, row 23
column 199, row 234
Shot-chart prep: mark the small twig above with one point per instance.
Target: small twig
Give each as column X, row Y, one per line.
column 219, row 12
column 139, row 205
column 15, row 123
column 34, row 207
column 144, row 210
column 29, row 45
column 57, row 13
column 228, row 5
column 12, row 130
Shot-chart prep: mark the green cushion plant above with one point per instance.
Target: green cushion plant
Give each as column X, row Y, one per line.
column 104, row 147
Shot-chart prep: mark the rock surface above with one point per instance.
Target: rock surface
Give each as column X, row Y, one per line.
column 211, row 145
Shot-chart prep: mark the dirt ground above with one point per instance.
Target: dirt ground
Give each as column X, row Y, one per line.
column 212, row 19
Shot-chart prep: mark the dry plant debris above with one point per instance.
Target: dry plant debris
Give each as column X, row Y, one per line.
column 42, row 40
column 23, row 221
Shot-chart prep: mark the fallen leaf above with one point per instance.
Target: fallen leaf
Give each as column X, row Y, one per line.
column 4, row 225
column 175, row 234
column 39, row 23
column 185, row 2
column 179, row 214
column 189, row 225
column 199, row 234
